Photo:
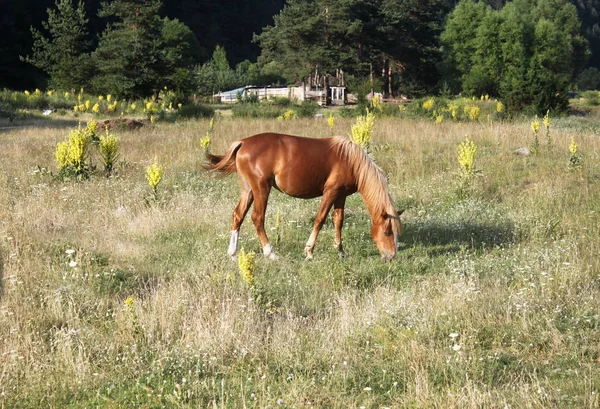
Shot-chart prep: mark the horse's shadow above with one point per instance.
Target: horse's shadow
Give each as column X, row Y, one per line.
column 452, row 237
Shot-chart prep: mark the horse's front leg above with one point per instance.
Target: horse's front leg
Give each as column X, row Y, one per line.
column 326, row 203
column 338, row 222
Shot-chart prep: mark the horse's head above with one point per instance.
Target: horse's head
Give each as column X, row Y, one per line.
column 385, row 231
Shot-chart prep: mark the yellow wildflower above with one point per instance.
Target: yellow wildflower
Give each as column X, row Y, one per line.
column 109, row 147
column 499, row 107
column 331, row 120
column 535, row 125
column 288, row 115
column 428, row 104
column 205, row 142
column 246, row 266
column 547, row 120
column 109, row 98
column 362, row 130
column 154, row 174
column 466, row 157
column 129, row 302
column 96, row 108
column 62, row 155
column 439, row 119
column 474, row 113
column 573, row 146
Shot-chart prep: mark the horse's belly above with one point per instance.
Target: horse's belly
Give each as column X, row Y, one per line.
column 296, row 186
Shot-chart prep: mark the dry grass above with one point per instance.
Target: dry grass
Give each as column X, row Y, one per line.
column 509, row 268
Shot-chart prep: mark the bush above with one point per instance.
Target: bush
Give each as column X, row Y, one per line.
column 281, row 102
column 589, row 79
column 307, row 109
column 591, row 98
column 195, row 111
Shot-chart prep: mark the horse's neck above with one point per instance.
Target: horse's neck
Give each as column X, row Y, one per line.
column 371, row 197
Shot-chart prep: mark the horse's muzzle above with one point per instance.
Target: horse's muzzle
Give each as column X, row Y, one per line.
column 387, row 257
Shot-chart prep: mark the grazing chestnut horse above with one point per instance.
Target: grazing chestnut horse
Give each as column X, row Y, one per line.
column 306, row 168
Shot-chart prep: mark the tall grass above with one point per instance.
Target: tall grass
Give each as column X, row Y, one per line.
column 492, row 301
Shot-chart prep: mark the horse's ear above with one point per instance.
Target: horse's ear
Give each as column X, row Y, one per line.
column 400, row 212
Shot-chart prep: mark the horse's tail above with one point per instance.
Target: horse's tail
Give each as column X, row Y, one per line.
column 225, row 163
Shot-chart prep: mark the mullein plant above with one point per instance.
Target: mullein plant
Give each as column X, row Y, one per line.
column 72, row 154
column 362, row 130
column 535, row 143
column 205, row 141
column 246, row 265
column 109, row 151
column 547, row 121
column 288, row 115
column 331, row 121
column 575, row 160
column 154, row 174
column 466, row 160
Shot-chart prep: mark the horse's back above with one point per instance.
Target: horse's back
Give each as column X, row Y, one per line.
column 298, row 166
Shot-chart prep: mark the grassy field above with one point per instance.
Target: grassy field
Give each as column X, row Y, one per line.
column 492, row 302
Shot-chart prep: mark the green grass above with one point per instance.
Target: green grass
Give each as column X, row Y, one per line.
column 508, row 266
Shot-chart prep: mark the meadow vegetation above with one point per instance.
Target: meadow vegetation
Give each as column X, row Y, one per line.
column 109, row 299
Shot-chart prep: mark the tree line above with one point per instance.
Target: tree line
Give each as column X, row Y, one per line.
column 523, row 51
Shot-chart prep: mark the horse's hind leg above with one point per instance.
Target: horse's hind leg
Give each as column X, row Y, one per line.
column 261, row 190
column 246, row 199
column 338, row 221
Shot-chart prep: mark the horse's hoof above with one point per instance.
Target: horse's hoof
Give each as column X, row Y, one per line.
column 309, row 257
column 272, row 256
column 342, row 255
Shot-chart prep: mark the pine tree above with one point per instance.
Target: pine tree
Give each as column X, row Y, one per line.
column 62, row 54
column 128, row 56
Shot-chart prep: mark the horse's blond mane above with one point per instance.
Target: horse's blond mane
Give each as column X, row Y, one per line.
column 372, row 182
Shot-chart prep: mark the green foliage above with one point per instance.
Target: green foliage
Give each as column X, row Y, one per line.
column 128, row 55
column 141, row 53
column 525, row 53
column 362, row 37
column 591, row 98
column 307, row 109
column 180, row 52
column 63, row 52
column 589, row 79
column 195, row 111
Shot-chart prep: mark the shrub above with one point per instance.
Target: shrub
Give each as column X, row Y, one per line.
column 307, row 109
column 195, row 111
column 591, row 98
